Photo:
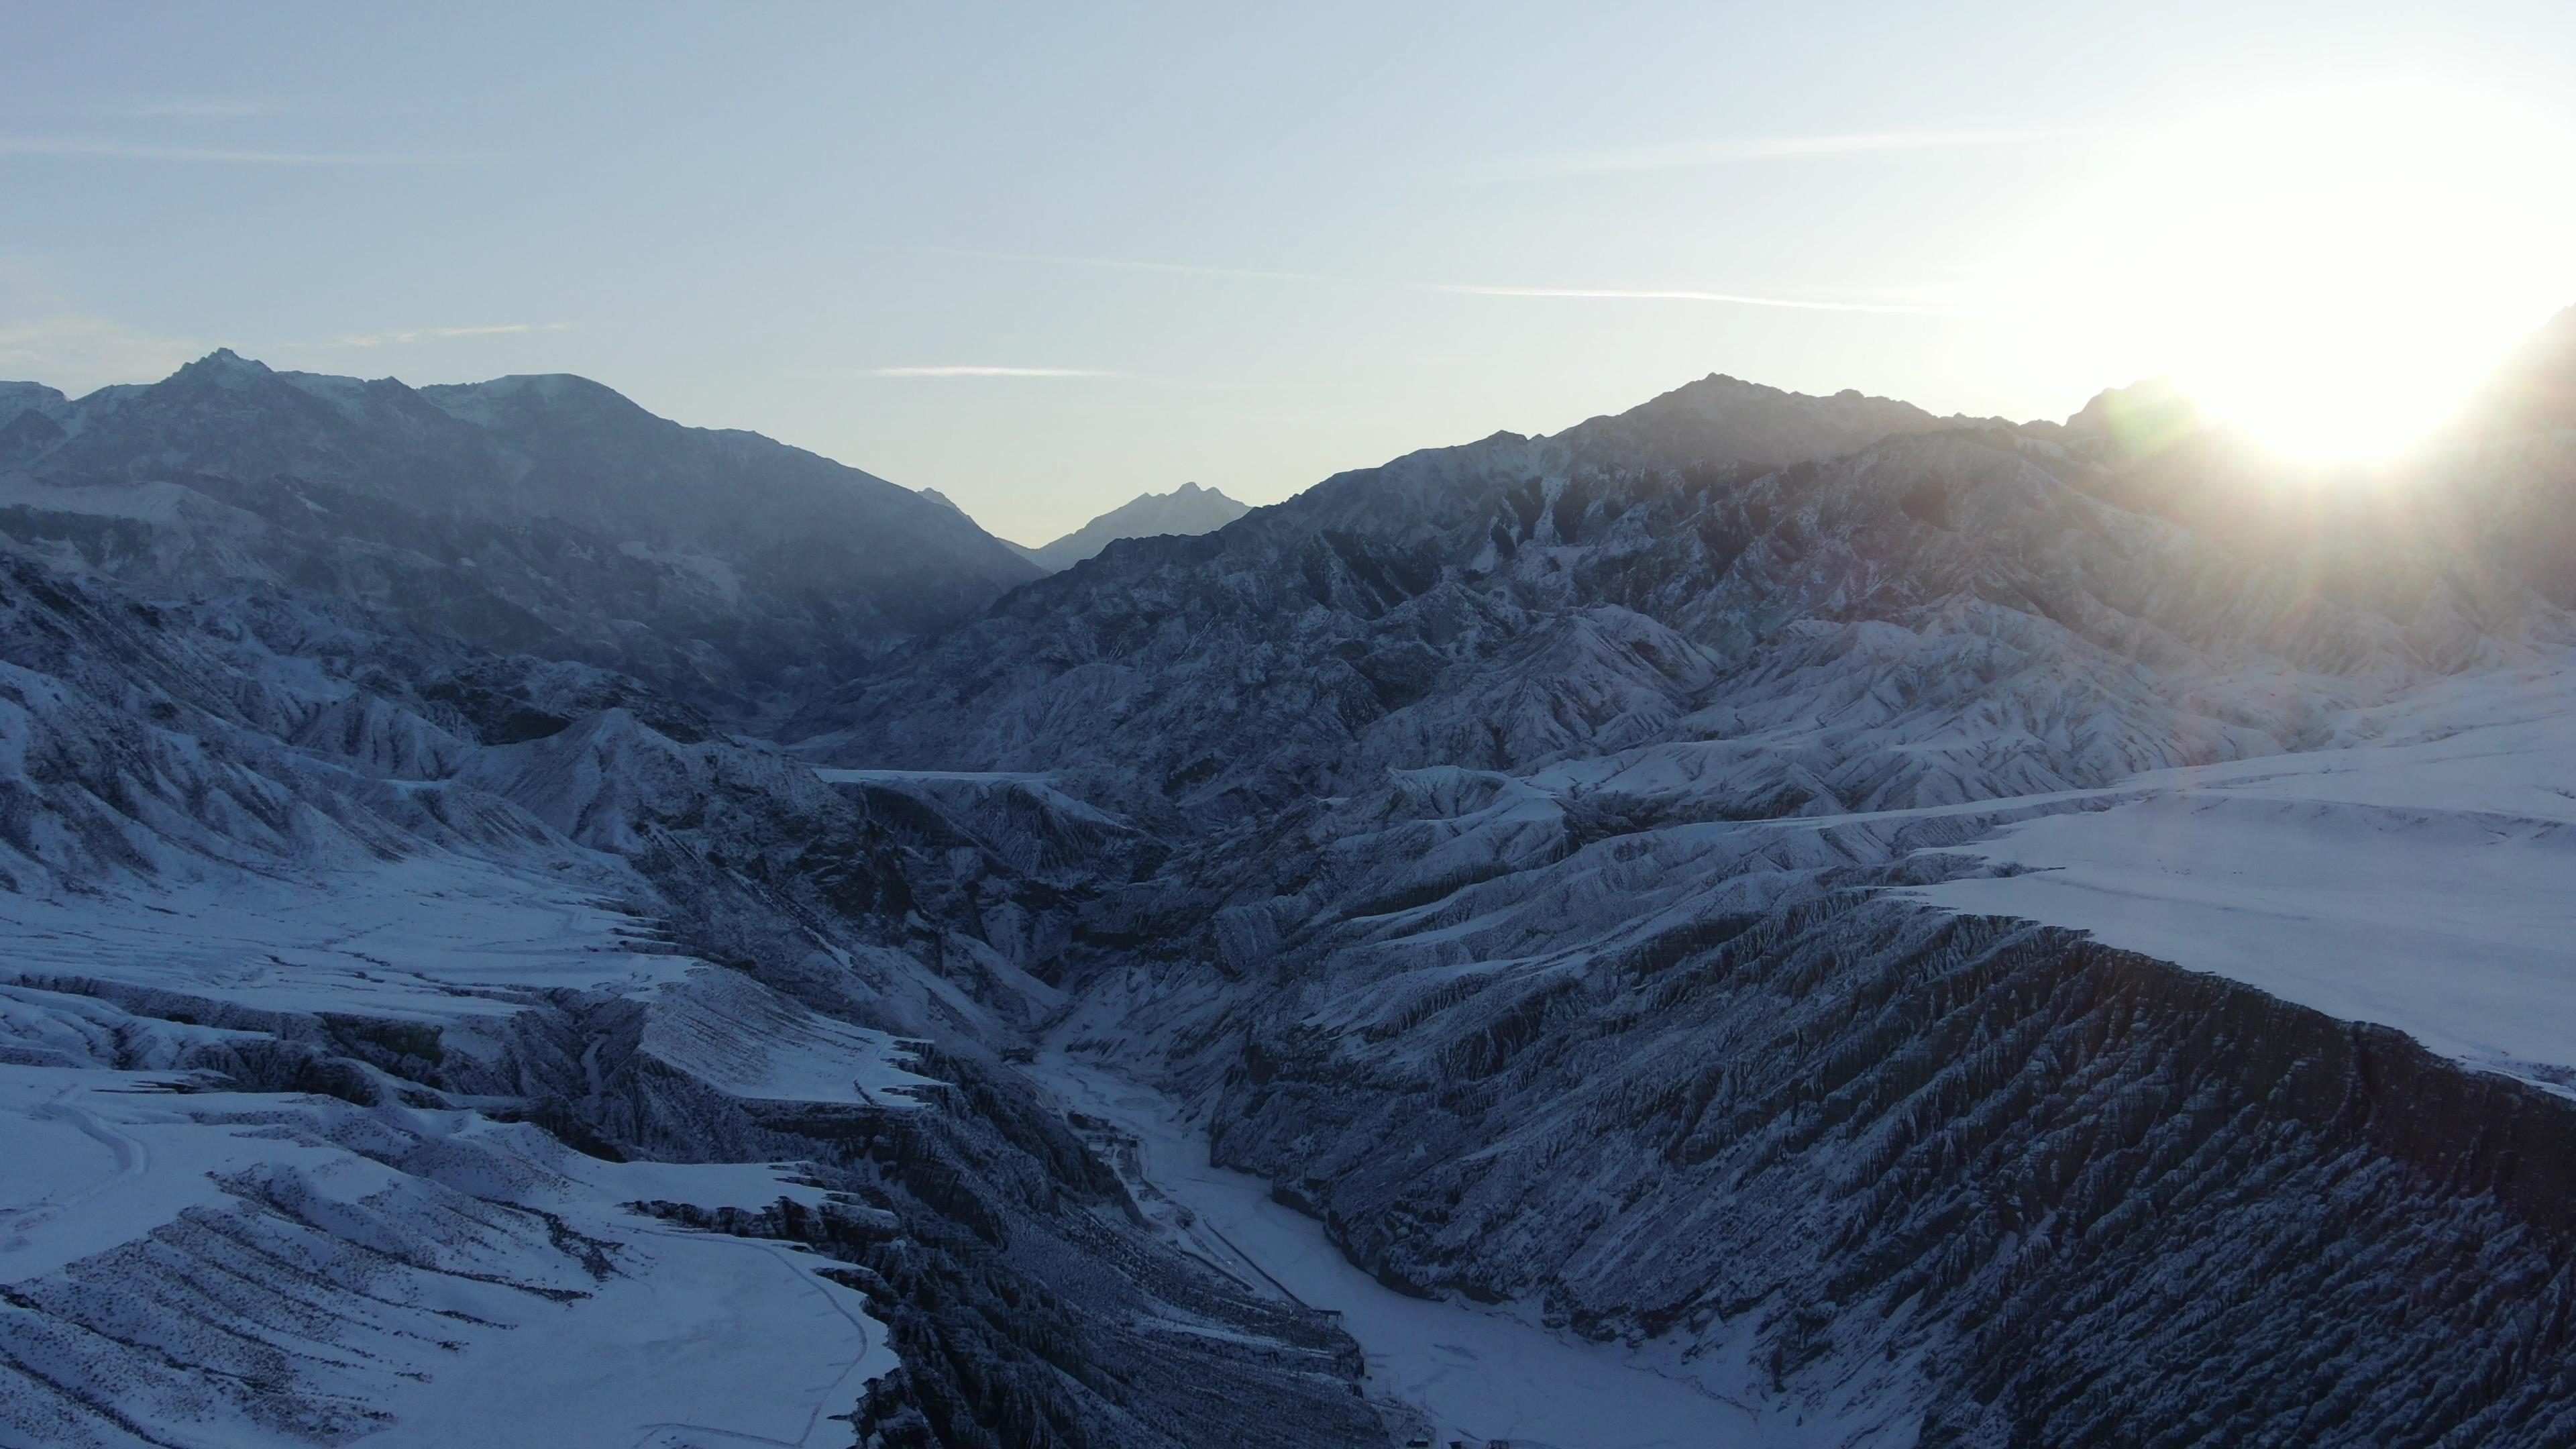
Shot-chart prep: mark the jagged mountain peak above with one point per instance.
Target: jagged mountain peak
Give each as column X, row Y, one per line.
column 1721, row 416
column 232, row 417
column 1188, row 509
column 223, row 362
column 253, row 380
column 1719, row 388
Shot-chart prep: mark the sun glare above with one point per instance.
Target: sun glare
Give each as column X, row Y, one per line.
column 2332, row 273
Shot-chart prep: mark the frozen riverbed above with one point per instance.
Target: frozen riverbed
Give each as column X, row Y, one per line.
column 1470, row 1372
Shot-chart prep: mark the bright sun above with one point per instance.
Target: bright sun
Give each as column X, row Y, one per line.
column 2331, row 272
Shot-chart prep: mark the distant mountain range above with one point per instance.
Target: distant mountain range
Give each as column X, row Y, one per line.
column 1188, row 509
column 545, row 515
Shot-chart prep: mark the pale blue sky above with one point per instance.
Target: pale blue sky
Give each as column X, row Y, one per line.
column 1216, row 237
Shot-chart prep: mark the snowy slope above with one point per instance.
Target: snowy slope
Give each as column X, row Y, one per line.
column 456, row 947
column 219, row 1268
column 2423, row 878
column 433, row 1247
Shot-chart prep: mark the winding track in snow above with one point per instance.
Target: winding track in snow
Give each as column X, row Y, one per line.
column 131, row 1157
column 829, row 1396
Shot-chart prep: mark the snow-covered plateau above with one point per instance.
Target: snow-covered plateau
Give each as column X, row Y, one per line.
column 1763, row 920
column 2419, row 880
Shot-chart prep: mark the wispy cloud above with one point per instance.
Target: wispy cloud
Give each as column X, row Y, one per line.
column 76, row 352
column 204, row 110
column 424, row 334
column 1721, row 151
column 95, row 148
column 47, row 336
column 1733, row 299
column 1117, row 264
column 986, row 372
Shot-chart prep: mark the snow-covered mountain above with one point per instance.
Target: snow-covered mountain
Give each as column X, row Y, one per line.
column 1188, row 509
column 1762, row 920
column 423, row 1023
column 384, row 1056
column 1604, row 881
column 1633, row 584
column 529, row 514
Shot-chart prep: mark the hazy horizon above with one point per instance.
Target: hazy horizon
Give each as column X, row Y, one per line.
column 1043, row 264
column 1001, row 527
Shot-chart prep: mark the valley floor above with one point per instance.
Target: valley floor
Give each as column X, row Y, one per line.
column 1458, row 1371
